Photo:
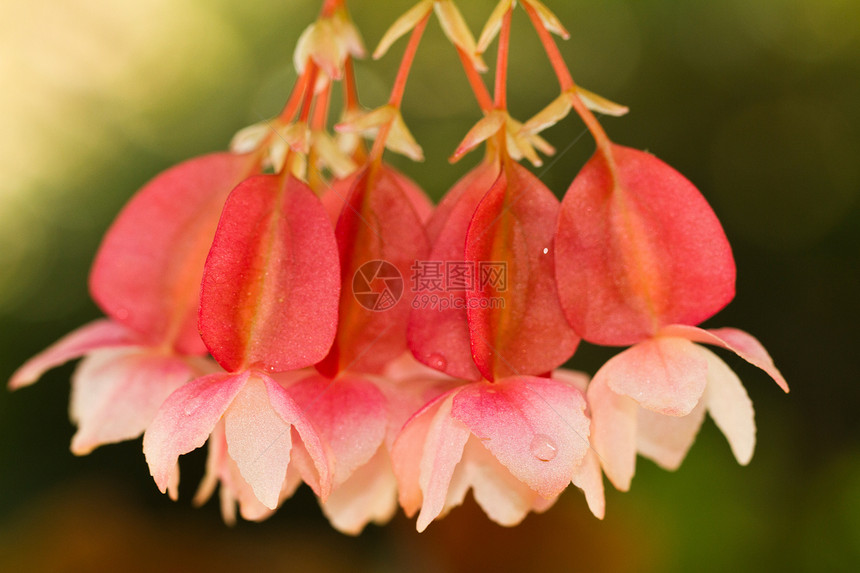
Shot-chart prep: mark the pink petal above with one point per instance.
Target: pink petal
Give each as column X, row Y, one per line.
column 730, row 407
column 442, row 450
column 92, row 336
column 638, row 248
column 578, row 380
column 613, row 431
column 504, row 498
column 380, row 236
column 516, row 324
column 185, row 420
column 350, row 415
column 147, row 272
column 741, row 343
column 116, row 393
column 369, row 495
column 270, row 285
column 259, row 441
column 589, row 479
column 536, row 427
column 665, row 374
column 666, row 439
column 234, row 489
column 310, row 450
column 424, row 457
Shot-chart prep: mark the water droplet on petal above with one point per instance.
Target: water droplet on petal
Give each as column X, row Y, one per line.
column 545, row 250
column 543, row 447
column 437, row 361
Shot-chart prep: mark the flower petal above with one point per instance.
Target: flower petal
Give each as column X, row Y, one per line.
column 349, row 414
column 439, row 335
column 638, row 248
column 369, row 495
column 458, row 32
column 309, row 450
column 664, row 374
column 549, row 20
column 185, row 420
column 536, row 427
column 148, row 269
column 424, row 457
column 116, row 393
column 380, row 236
column 493, row 25
column 730, row 407
column 589, row 479
column 402, row 26
column 271, row 282
column 505, row 499
column 666, row 439
column 95, row 335
column 613, row 437
column 515, row 320
column 741, row 343
column 486, row 127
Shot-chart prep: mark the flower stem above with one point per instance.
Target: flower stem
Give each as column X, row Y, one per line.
column 566, row 83
column 501, row 92
column 399, row 88
column 475, row 81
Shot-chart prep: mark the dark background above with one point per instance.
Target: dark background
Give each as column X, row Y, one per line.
column 755, row 102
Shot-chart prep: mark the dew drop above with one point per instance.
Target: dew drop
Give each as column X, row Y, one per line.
column 437, row 361
column 543, row 447
column 545, row 250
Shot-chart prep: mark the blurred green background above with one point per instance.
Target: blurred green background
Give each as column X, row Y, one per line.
column 755, row 101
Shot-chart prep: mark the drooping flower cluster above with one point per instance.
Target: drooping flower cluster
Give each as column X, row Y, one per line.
column 257, row 301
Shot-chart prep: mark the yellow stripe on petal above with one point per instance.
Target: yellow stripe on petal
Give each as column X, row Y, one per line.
column 493, row 25
column 402, row 25
column 600, row 104
column 458, row 32
column 367, row 120
column 550, row 20
column 400, row 140
column 549, row 116
column 480, row 132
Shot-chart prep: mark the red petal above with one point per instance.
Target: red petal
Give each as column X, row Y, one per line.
column 147, row 272
column 380, row 236
column 350, row 415
column 515, row 319
column 95, row 335
column 270, row 285
column 439, row 337
column 638, row 248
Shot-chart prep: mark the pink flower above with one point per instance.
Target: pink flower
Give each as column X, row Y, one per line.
column 146, row 278
column 652, row 398
column 268, row 304
column 516, row 442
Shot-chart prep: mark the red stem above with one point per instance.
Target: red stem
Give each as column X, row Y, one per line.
column 475, row 81
column 566, row 83
column 501, row 92
column 399, row 86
